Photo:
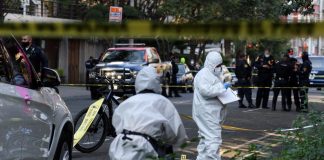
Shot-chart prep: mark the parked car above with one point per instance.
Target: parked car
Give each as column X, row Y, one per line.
column 185, row 77
column 234, row 78
column 317, row 75
column 35, row 122
column 123, row 63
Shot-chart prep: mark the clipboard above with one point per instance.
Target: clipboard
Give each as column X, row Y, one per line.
column 229, row 96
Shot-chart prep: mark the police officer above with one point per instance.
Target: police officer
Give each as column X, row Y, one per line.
column 304, row 72
column 89, row 64
column 264, row 64
column 283, row 71
column 293, row 81
column 243, row 72
column 175, row 70
column 34, row 53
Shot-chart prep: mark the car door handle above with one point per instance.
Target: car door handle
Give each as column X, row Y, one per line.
column 27, row 99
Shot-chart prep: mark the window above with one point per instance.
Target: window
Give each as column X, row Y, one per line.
column 5, row 66
column 21, row 69
column 124, row 56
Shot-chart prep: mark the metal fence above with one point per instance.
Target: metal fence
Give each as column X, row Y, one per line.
column 46, row 8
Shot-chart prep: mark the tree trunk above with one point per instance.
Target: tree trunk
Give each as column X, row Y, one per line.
column 1, row 11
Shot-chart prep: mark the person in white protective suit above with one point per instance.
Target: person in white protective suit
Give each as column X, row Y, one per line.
column 145, row 120
column 208, row 112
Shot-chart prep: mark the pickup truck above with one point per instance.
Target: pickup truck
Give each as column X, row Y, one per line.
column 123, row 63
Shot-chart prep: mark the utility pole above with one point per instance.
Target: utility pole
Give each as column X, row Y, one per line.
column 131, row 41
column 1, row 11
column 320, row 20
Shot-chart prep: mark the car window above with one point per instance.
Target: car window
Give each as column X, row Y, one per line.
column 5, row 66
column 21, row 68
column 231, row 69
column 123, row 55
column 155, row 55
column 317, row 62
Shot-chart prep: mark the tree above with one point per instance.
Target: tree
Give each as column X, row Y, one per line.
column 9, row 6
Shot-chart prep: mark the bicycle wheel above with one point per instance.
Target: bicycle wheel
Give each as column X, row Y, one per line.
column 95, row 135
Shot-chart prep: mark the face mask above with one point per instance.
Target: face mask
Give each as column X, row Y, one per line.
column 24, row 44
column 290, row 56
column 267, row 55
column 217, row 71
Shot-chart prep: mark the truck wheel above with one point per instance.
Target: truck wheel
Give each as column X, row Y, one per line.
column 94, row 94
column 119, row 94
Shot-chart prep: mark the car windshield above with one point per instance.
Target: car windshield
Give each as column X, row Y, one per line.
column 317, row 62
column 181, row 69
column 231, row 69
column 123, row 55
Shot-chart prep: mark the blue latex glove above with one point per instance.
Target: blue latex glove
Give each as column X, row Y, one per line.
column 227, row 85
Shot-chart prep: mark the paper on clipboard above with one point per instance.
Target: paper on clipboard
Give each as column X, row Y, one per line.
column 228, row 97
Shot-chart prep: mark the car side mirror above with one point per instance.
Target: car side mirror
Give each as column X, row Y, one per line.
column 50, row 78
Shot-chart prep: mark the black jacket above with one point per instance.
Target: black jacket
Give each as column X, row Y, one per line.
column 243, row 70
column 264, row 74
column 37, row 58
column 304, row 72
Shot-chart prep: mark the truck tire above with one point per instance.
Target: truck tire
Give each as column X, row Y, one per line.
column 94, row 93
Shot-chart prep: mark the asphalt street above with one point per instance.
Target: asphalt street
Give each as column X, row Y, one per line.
column 242, row 127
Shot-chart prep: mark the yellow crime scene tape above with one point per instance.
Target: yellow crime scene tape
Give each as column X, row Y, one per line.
column 234, row 30
column 188, row 86
column 88, row 119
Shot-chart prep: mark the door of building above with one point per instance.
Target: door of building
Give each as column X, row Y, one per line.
column 74, row 46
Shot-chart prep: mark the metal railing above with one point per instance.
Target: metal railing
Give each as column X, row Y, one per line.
column 47, row 8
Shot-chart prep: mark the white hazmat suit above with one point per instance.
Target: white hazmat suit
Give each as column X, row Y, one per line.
column 147, row 113
column 208, row 112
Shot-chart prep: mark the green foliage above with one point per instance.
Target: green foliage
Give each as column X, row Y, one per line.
column 60, row 72
column 301, row 6
column 305, row 142
column 97, row 13
column 131, row 13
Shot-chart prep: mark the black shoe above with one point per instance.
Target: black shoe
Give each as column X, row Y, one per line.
column 177, row 96
column 242, row 106
column 252, row 106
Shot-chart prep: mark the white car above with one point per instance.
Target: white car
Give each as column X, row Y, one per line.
column 35, row 122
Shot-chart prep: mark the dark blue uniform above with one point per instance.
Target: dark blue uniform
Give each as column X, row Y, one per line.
column 37, row 58
column 294, row 83
column 243, row 72
column 305, row 70
column 264, row 79
column 174, row 88
column 283, row 71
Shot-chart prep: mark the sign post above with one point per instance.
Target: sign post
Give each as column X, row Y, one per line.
column 115, row 14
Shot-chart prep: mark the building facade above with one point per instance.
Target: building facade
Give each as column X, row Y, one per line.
column 65, row 54
column 313, row 45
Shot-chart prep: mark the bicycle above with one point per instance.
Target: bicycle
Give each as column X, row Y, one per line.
column 101, row 127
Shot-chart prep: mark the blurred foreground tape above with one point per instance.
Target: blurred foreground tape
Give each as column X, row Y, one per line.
column 234, row 30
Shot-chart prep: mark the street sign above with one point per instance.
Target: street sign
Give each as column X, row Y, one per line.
column 115, row 14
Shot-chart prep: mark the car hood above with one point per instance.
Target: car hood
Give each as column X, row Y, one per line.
column 118, row 65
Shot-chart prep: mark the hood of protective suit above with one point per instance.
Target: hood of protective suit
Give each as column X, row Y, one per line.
column 213, row 59
column 148, row 79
